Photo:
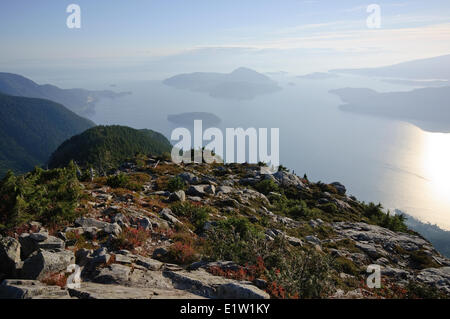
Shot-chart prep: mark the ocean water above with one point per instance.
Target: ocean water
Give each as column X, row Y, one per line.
column 378, row 159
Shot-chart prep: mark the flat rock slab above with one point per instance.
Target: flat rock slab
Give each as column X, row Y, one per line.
column 30, row 289
column 436, row 277
column 98, row 291
column 210, row 286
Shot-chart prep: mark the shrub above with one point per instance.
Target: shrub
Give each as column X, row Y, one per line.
column 118, row 181
column 301, row 211
column 290, row 272
column 295, row 208
column 55, row 279
column 47, row 196
column 415, row 290
column 130, row 238
column 421, row 260
column 182, row 253
column 266, row 186
column 233, row 239
column 345, row 265
column 197, row 215
column 79, row 240
column 376, row 215
column 132, row 182
column 327, row 188
column 329, row 208
column 175, row 184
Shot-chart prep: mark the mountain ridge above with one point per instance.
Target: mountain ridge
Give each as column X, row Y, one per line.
column 31, row 129
column 434, row 68
column 106, row 147
column 80, row 101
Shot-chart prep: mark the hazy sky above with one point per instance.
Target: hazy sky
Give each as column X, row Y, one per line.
column 160, row 37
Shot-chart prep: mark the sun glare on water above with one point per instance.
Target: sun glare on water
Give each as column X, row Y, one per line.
column 437, row 164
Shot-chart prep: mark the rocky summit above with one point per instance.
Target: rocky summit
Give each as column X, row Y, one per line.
column 155, row 229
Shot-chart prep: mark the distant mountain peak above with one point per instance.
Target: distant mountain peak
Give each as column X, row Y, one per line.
column 244, row 70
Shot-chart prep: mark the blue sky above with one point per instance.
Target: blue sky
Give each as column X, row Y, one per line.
column 221, row 34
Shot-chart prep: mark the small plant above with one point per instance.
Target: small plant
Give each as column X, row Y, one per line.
column 79, row 240
column 421, row 260
column 376, row 215
column 132, row 182
column 345, row 265
column 197, row 215
column 55, row 279
column 175, row 184
column 182, row 253
column 47, row 196
column 329, row 208
column 266, row 186
column 130, row 238
column 118, row 181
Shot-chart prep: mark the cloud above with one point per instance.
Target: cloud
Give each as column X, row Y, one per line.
column 363, row 39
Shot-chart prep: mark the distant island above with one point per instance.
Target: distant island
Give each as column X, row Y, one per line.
column 434, row 68
column 418, row 83
column 208, row 119
column 80, row 101
column 318, row 76
column 426, row 108
column 241, row 84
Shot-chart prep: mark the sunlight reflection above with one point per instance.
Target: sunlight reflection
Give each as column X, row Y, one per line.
column 437, row 164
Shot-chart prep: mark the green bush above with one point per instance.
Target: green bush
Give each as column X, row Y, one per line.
column 329, row 208
column 416, row 290
column 118, row 181
column 422, row 260
column 303, row 274
column 234, row 239
column 345, row 265
column 266, row 186
column 301, row 211
column 197, row 215
column 290, row 271
column 132, row 182
column 376, row 215
column 175, row 184
column 294, row 208
column 47, row 196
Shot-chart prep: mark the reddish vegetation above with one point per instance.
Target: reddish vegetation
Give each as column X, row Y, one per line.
column 56, row 279
column 388, row 290
column 182, row 253
column 131, row 238
column 155, row 204
column 252, row 273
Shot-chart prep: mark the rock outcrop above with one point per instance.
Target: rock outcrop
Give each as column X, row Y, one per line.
column 141, row 244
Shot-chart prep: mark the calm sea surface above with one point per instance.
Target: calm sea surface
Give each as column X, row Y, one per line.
column 378, row 159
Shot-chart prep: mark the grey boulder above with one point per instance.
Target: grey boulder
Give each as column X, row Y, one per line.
column 9, row 256
column 44, row 262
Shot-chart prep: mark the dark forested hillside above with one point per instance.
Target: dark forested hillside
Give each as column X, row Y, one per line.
column 108, row 146
column 31, row 129
column 79, row 101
